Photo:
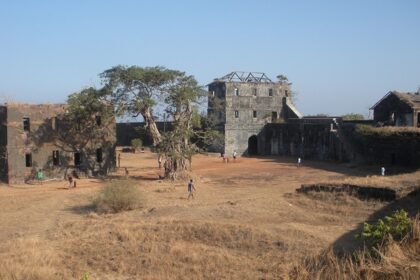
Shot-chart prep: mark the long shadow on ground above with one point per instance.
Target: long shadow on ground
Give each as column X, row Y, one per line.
column 347, row 169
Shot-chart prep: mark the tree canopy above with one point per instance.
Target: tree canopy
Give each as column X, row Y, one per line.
column 136, row 90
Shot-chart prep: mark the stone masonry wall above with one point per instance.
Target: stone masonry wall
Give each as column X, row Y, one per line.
column 249, row 107
column 40, row 142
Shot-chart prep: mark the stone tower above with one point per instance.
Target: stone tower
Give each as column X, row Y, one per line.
column 241, row 104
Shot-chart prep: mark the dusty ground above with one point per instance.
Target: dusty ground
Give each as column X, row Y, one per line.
column 245, row 222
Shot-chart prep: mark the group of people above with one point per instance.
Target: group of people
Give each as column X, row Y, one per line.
column 226, row 158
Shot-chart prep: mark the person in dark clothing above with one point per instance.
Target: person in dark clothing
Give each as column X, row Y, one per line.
column 191, row 189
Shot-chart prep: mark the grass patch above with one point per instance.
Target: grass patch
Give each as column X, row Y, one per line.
column 117, row 196
column 391, row 260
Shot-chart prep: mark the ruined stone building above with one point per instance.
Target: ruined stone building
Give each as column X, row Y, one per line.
column 256, row 116
column 398, row 109
column 242, row 103
column 34, row 137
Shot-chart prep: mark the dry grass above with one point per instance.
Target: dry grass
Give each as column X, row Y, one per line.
column 28, row 258
column 403, row 183
column 245, row 222
column 117, row 196
column 168, row 250
column 394, row 260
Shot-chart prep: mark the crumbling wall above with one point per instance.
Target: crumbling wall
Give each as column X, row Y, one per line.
column 40, row 140
column 126, row 132
column 307, row 140
column 386, row 145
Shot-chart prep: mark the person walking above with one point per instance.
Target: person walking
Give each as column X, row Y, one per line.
column 299, row 162
column 71, row 183
column 382, row 171
column 191, row 189
column 40, row 176
column 234, row 155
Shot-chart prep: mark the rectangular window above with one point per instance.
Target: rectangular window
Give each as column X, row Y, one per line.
column 28, row 160
column 254, row 114
column 236, row 92
column 270, row 92
column 254, row 92
column 98, row 120
column 236, row 114
column 99, row 155
column 26, row 124
column 77, row 159
column 56, row 158
column 286, row 92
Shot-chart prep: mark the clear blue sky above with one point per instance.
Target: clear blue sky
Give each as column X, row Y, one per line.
column 342, row 56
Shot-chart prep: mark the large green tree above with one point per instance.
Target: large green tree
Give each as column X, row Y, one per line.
column 176, row 147
column 136, row 90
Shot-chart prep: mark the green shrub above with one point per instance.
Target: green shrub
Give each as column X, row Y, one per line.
column 353, row 117
column 136, row 143
column 117, row 196
column 398, row 225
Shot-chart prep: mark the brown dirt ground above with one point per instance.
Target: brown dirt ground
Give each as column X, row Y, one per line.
column 245, row 222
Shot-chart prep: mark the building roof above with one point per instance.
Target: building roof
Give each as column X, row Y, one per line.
column 245, row 77
column 412, row 99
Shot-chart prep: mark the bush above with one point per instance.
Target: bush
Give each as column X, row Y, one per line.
column 136, row 143
column 397, row 226
column 117, row 196
column 393, row 260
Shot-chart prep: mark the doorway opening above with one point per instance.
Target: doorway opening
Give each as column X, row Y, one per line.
column 253, row 145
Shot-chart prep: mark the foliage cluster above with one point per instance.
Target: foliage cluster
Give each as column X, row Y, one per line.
column 392, row 260
column 353, row 117
column 136, row 143
column 387, row 131
column 396, row 226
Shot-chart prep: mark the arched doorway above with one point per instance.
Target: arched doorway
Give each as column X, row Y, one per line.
column 253, row 145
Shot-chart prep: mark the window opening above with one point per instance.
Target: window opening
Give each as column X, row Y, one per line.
column 28, row 160
column 77, row 158
column 56, row 158
column 99, row 155
column 26, row 124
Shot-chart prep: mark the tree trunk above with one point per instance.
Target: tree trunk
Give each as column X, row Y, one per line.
column 151, row 127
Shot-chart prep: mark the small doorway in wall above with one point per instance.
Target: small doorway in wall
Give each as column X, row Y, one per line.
column 77, row 159
column 253, row 145
column 273, row 116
